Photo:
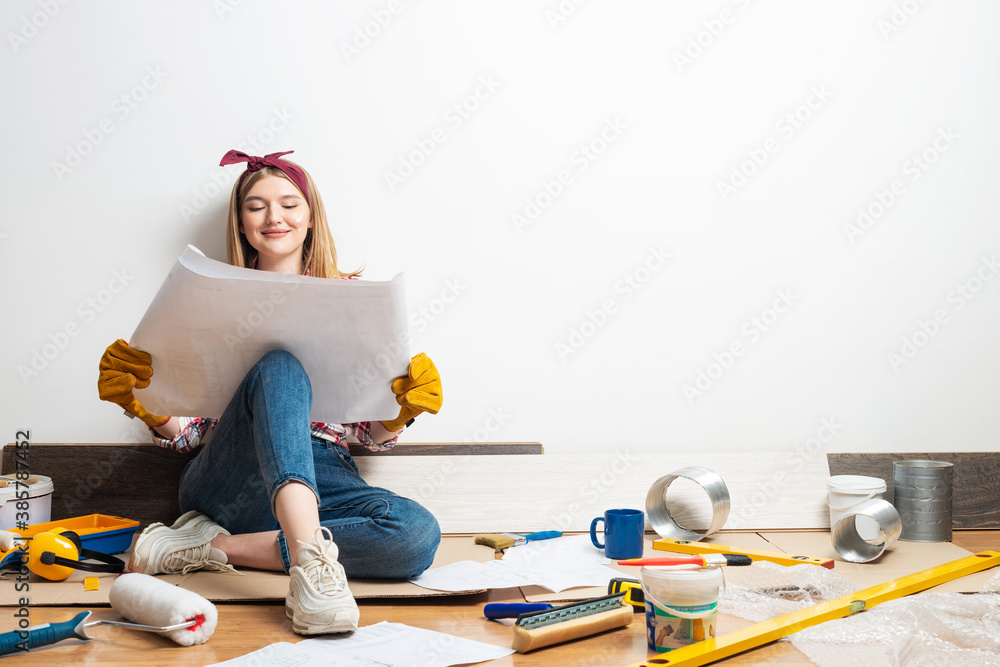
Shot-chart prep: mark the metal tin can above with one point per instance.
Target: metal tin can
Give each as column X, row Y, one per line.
column 922, row 496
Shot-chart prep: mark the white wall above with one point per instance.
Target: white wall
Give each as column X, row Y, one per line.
column 155, row 92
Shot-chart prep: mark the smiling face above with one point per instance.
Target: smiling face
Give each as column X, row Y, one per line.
column 276, row 219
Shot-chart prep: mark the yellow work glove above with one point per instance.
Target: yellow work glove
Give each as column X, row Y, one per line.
column 122, row 369
column 418, row 391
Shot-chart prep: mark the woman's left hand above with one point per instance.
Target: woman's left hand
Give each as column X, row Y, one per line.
column 418, row 391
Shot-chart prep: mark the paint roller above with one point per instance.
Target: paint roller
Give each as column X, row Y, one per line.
column 147, row 603
column 540, row 625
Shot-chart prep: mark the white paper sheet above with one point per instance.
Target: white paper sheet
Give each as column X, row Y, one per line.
column 555, row 573
column 468, row 575
column 211, row 322
column 575, row 546
column 384, row 644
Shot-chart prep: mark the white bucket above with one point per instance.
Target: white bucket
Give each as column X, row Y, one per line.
column 681, row 605
column 36, row 494
column 846, row 491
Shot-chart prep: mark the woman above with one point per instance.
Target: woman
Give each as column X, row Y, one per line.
column 269, row 489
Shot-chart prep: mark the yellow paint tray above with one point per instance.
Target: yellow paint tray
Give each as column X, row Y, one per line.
column 98, row 532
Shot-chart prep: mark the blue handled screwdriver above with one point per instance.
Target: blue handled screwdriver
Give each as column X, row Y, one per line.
column 496, row 610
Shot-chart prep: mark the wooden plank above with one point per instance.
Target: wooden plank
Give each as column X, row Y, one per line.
column 504, row 492
column 454, row 449
column 135, row 481
column 975, row 485
column 140, row 480
column 565, row 492
column 473, row 492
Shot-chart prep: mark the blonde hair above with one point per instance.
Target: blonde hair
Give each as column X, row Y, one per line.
column 319, row 255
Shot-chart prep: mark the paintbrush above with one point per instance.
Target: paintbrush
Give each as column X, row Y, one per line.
column 501, row 541
column 706, row 560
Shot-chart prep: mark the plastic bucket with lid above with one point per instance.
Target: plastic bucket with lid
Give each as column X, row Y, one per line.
column 35, row 494
column 846, row 491
column 681, row 605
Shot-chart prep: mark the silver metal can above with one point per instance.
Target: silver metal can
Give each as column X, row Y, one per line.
column 921, row 493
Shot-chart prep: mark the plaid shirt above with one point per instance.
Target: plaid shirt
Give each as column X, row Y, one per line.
column 196, row 431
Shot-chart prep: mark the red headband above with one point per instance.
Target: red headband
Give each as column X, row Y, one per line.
column 271, row 160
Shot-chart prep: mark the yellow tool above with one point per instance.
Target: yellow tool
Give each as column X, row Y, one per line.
column 717, row 648
column 687, row 547
column 632, row 589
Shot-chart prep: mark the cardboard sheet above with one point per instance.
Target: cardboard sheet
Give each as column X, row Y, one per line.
column 255, row 586
column 539, row 594
column 902, row 559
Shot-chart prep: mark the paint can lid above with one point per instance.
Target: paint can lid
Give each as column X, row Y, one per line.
column 856, row 484
column 37, row 485
column 695, row 576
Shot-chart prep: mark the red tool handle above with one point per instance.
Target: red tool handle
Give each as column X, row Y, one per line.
column 684, row 560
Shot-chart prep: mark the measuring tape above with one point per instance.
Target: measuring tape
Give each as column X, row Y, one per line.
column 632, row 590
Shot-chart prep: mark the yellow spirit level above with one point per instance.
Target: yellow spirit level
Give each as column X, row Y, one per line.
column 717, row 648
column 688, row 547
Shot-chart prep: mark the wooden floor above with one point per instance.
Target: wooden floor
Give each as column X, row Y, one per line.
column 244, row 628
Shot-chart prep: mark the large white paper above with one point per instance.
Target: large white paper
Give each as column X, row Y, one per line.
column 466, row 575
column 384, row 644
column 551, row 572
column 211, row 322
column 567, row 546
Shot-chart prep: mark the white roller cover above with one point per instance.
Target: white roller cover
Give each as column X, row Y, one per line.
column 143, row 599
column 8, row 540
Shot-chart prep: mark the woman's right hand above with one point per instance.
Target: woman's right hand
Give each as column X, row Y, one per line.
column 124, row 368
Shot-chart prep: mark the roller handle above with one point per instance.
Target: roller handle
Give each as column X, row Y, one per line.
column 43, row 635
column 512, row 609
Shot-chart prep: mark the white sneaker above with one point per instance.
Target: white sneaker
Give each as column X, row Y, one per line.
column 181, row 548
column 318, row 600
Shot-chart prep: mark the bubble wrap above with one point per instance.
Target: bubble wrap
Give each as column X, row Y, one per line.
column 993, row 585
column 923, row 630
column 764, row 590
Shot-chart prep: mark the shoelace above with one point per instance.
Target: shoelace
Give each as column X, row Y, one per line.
column 324, row 572
column 197, row 559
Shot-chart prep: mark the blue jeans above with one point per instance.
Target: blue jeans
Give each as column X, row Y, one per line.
column 263, row 441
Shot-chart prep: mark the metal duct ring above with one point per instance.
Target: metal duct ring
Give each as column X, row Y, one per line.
column 849, row 543
column 659, row 513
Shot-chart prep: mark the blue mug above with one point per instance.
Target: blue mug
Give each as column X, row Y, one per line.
column 623, row 531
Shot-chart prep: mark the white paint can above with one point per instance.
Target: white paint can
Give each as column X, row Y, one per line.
column 846, row 491
column 681, row 605
column 34, row 495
